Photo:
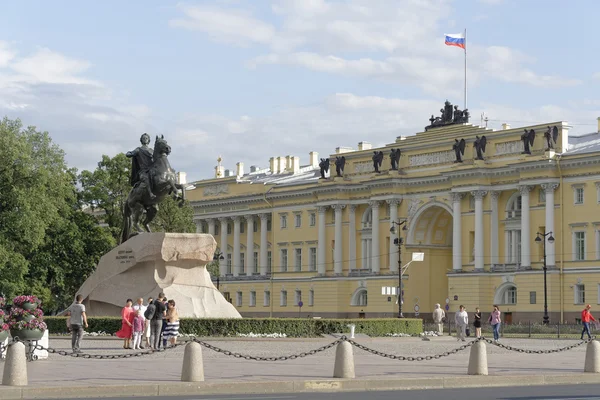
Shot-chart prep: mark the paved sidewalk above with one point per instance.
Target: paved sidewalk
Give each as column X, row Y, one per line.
column 165, row 368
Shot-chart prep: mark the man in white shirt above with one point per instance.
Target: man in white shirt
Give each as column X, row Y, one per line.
column 438, row 318
column 461, row 318
column 140, row 306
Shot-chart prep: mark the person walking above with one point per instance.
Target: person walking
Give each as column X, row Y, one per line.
column 438, row 318
column 461, row 318
column 76, row 321
column 586, row 318
column 495, row 321
column 477, row 322
column 126, row 331
column 157, row 321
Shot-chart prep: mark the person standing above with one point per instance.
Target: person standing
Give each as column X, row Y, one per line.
column 126, row 331
column 138, row 329
column 147, row 326
column 438, row 318
column 76, row 321
column 172, row 330
column 495, row 321
column 477, row 322
column 157, row 321
column 461, row 318
column 139, row 306
column 586, row 318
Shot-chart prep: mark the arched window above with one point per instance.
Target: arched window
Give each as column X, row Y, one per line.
column 359, row 298
column 513, row 206
column 506, row 294
column 367, row 218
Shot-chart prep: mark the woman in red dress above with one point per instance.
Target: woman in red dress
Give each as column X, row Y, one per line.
column 127, row 315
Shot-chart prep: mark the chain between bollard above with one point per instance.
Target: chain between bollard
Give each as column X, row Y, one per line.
column 410, row 358
column 280, row 358
column 527, row 351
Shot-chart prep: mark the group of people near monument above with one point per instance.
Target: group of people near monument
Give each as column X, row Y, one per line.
column 146, row 326
column 461, row 320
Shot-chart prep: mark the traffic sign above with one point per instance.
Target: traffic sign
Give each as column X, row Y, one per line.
column 417, row 308
column 447, row 300
column 447, row 307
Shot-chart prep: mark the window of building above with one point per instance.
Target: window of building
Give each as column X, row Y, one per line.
column 312, row 219
column 541, row 196
column 252, row 299
column 242, row 227
column 269, row 225
column 298, row 260
column 242, row 263
column 229, row 228
column 217, row 230
column 255, row 228
column 311, row 297
column 227, row 296
column 312, row 259
column 298, row 220
column 283, row 221
column 359, row 298
column 578, row 193
column 507, row 294
column 284, row 260
column 471, row 202
column 511, row 296
column 255, row 260
column 298, row 297
column 362, row 299
column 268, row 262
column 579, row 290
column 532, row 297
column 267, row 299
column 283, row 298
column 513, row 246
column 238, row 300
column 513, row 207
column 229, row 263
column 579, row 245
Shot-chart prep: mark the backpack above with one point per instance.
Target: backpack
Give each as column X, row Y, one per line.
column 150, row 310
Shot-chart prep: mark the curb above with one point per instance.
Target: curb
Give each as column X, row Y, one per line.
column 304, row 386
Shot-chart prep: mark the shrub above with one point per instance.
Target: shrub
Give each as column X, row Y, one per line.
column 292, row 327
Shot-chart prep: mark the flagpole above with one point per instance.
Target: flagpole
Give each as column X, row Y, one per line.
column 465, row 68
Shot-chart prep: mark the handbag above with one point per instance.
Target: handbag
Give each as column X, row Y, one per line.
column 468, row 331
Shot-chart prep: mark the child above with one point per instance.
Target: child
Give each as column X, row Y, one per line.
column 138, row 329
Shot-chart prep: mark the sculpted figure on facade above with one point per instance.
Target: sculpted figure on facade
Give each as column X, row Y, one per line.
column 479, row 146
column 528, row 137
column 395, row 158
column 551, row 136
column 459, row 149
column 377, row 160
column 340, row 162
column 324, row 165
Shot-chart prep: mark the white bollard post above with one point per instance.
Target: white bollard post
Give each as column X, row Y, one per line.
column 592, row 357
column 344, row 361
column 352, row 327
column 15, row 366
column 193, row 367
column 478, row 364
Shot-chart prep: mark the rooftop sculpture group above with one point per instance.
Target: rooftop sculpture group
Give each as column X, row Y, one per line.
column 449, row 116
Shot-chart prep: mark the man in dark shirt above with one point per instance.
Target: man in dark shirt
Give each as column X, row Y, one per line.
column 157, row 321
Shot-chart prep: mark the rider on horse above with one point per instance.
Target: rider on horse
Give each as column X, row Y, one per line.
column 140, row 165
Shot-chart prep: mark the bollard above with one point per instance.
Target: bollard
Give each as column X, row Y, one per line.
column 344, row 361
column 15, row 366
column 193, row 367
column 592, row 357
column 352, row 327
column 478, row 359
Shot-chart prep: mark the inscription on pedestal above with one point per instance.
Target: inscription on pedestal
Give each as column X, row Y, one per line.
column 125, row 256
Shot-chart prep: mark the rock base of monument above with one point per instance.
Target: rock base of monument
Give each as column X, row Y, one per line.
column 149, row 263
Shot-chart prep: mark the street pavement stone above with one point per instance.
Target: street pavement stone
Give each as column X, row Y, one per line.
column 166, row 366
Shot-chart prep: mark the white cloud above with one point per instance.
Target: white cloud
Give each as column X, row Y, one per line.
column 491, row 2
column 596, row 76
column 6, row 54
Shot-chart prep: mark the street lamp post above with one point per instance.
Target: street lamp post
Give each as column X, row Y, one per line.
column 218, row 257
column 398, row 242
column 550, row 240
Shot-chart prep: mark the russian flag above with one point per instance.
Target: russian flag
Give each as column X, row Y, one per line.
column 456, row 39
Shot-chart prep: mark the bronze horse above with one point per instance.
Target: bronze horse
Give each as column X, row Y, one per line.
column 163, row 183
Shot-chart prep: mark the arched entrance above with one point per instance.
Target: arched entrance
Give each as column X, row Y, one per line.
column 429, row 232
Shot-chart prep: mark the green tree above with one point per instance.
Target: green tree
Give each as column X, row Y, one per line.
column 213, row 268
column 172, row 218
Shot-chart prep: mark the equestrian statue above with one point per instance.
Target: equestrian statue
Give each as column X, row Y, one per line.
column 152, row 180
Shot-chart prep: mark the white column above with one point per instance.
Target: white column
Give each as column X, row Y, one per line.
column 550, row 252
column 211, row 226
column 237, row 268
column 321, row 267
column 494, row 260
column 526, row 236
column 264, row 219
column 374, row 236
column 456, row 232
column 351, row 237
column 393, row 203
column 198, row 223
column 223, row 247
column 338, row 265
column 478, row 194
column 249, row 244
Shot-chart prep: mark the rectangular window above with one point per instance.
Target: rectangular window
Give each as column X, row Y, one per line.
column 255, row 262
column 238, row 301
column 267, row 299
column 532, row 297
column 312, row 259
column 579, row 195
column 298, row 220
column 268, row 262
column 229, row 263
column 298, row 261
column 283, row 221
column 312, row 219
column 311, row 297
column 298, row 297
column 579, row 243
column 252, row 299
column 579, row 290
column 269, row 225
column 242, row 263
column 283, row 298
column 283, row 257
column 229, row 228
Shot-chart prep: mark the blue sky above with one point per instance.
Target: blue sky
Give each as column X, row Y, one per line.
column 250, row 80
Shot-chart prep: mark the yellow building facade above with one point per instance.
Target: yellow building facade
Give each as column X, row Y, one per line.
column 288, row 236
